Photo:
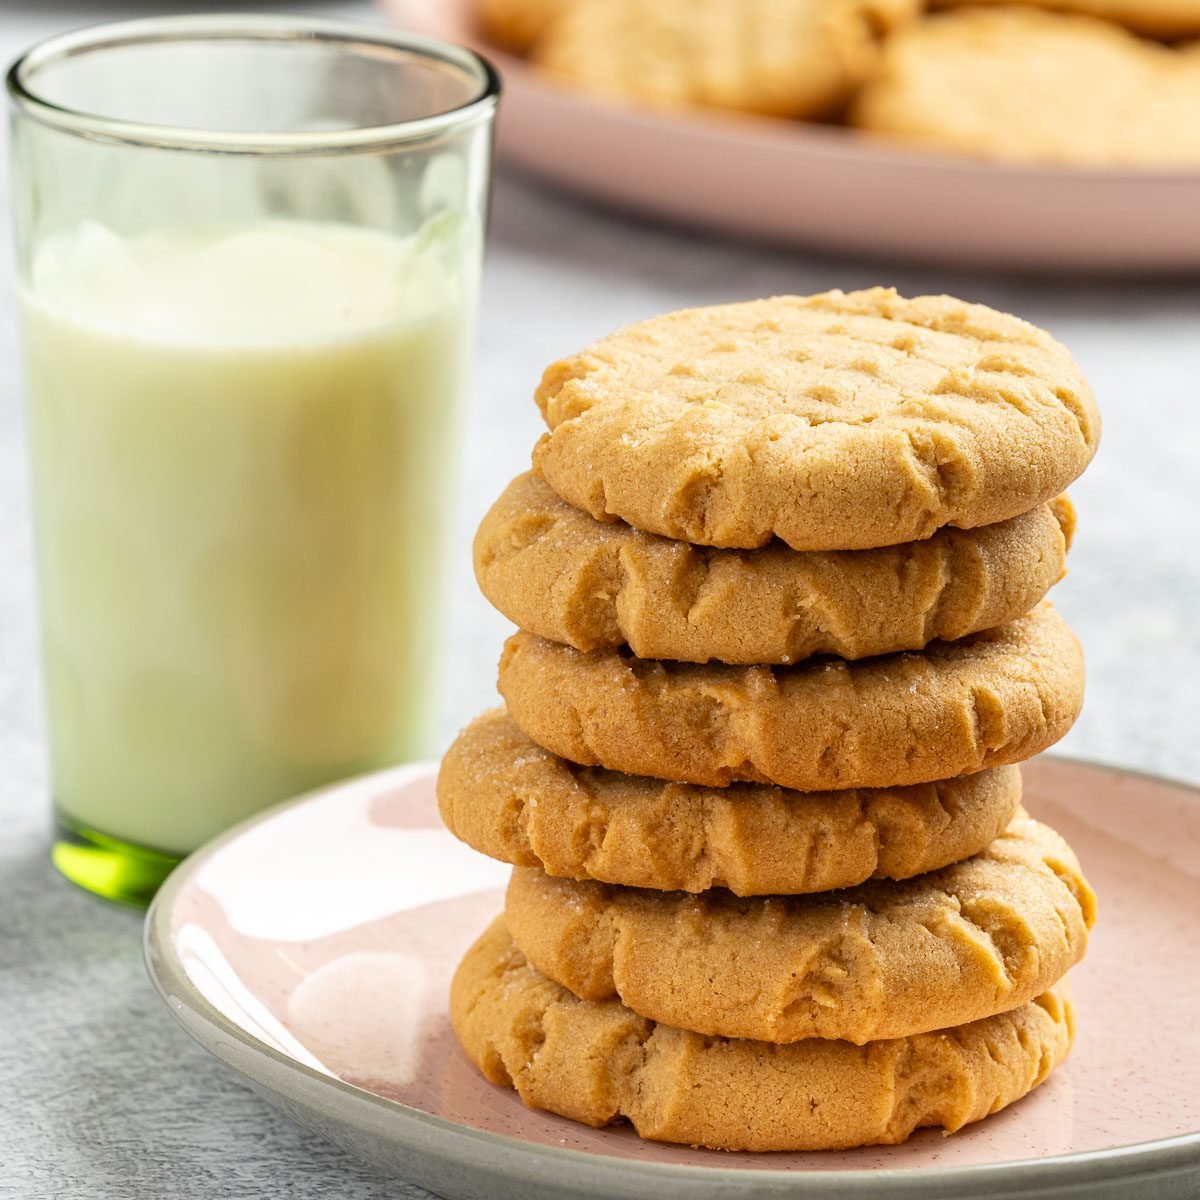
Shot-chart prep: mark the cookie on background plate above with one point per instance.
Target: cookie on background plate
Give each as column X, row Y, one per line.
column 516, row 24
column 559, row 573
column 882, row 960
column 597, row 1062
column 1026, row 86
column 784, row 58
column 833, row 422
column 996, row 697
column 1167, row 19
column 512, row 800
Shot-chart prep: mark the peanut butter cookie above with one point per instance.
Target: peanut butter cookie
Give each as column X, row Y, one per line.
column 996, row 697
column 1020, row 85
column 882, row 960
column 514, row 801
column 516, row 24
column 557, row 572
column 833, row 422
column 598, row 1062
column 1167, row 19
column 785, row 58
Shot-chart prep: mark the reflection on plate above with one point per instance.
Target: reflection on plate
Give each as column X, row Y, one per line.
column 830, row 188
column 311, row 949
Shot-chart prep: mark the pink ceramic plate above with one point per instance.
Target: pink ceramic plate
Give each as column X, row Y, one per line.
column 312, row 948
column 832, row 188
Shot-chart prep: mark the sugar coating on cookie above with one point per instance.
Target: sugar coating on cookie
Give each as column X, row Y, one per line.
column 833, row 422
column 881, row 960
column 597, row 1062
column 996, row 697
column 1022, row 85
column 557, row 572
column 512, row 800
column 787, row 58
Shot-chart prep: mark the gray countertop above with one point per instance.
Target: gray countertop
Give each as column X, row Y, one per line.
column 101, row 1095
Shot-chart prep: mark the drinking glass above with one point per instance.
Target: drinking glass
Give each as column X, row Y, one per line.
column 248, row 255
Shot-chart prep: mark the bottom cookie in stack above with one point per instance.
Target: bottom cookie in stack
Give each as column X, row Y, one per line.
column 598, row 1061
column 783, row 1022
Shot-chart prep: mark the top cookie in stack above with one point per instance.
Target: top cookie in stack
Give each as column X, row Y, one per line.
column 831, row 422
column 780, row 575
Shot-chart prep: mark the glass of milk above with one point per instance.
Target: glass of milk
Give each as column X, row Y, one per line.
column 248, row 258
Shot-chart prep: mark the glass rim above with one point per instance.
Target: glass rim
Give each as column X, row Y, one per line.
column 22, row 91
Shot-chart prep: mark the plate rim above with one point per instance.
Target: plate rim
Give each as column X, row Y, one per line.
column 1054, row 1175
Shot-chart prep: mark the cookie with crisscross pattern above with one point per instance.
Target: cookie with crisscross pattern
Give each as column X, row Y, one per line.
column 833, row 422
column 882, row 960
column 598, row 1062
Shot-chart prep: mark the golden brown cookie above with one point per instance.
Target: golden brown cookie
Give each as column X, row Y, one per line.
column 557, row 572
column 882, row 960
column 514, row 801
column 516, row 24
column 833, row 422
column 787, row 58
column 997, row 697
column 1022, row 85
column 597, row 1062
column 1167, row 19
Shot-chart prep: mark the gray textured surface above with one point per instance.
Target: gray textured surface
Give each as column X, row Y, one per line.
column 102, row 1096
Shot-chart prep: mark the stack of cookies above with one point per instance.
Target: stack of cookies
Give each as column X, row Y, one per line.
column 779, row 574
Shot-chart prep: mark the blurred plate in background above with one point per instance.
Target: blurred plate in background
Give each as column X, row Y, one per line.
column 830, row 188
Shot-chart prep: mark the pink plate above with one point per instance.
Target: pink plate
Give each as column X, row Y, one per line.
column 831, row 188
column 312, row 949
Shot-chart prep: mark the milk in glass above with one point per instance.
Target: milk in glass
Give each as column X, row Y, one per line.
column 243, row 443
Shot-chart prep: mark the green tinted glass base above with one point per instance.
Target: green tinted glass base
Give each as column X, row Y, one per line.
column 107, row 866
